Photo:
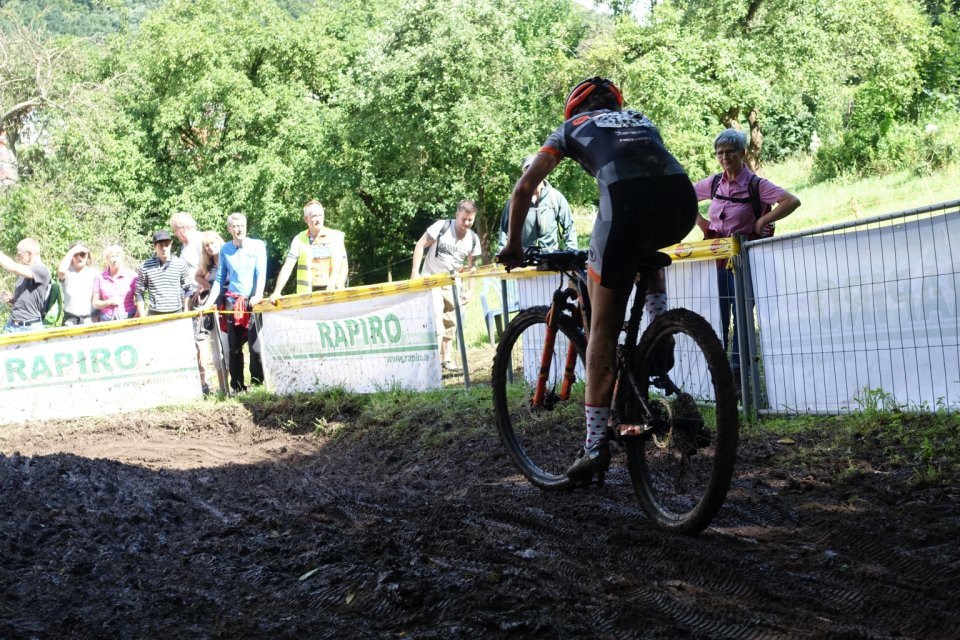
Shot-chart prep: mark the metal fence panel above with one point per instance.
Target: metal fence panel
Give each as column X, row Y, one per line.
column 860, row 312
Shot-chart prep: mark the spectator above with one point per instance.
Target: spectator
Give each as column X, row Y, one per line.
column 185, row 228
column 115, row 287
column 29, row 297
column 741, row 203
column 211, row 242
column 76, row 277
column 548, row 224
column 318, row 253
column 241, row 273
column 162, row 277
column 453, row 242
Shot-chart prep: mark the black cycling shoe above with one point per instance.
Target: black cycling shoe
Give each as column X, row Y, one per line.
column 591, row 461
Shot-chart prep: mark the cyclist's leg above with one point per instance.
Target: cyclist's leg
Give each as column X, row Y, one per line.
column 609, row 307
column 609, row 284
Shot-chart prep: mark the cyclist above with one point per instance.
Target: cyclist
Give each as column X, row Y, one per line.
column 646, row 202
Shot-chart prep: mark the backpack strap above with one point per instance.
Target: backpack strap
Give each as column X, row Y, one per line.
column 714, row 184
column 753, row 194
column 443, row 230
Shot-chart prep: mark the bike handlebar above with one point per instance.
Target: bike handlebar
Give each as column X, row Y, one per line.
column 565, row 260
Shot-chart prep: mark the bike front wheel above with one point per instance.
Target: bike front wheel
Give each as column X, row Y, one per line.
column 541, row 434
column 682, row 462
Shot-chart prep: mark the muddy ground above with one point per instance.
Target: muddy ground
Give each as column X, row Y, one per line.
column 227, row 522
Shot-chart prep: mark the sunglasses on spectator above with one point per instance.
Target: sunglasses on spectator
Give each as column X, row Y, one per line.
column 80, row 254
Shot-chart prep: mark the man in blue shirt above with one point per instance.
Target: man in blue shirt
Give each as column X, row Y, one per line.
column 243, row 268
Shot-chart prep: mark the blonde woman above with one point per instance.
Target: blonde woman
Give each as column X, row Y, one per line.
column 113, row 288
column 210, row 242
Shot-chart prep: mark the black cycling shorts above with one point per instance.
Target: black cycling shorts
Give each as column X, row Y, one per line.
column 637, row 217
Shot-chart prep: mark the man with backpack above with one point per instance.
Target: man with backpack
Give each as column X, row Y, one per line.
column 443, row 248
column 29, row 297
column 548, row 225
column 741, row 204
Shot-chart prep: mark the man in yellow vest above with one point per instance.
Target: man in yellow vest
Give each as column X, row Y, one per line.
column 319, row 255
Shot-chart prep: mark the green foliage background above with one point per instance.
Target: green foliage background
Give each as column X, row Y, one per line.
column 391, row 112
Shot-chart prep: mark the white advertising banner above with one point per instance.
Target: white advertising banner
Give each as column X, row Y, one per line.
column 362, row 345
column 99, row 373
column 873, row 309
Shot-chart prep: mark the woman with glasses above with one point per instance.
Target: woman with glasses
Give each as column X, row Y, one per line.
column 741, row 204
column 76, row 278
column 113, row 288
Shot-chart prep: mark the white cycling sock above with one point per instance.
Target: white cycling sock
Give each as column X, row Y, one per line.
column 654, row 304
column 596, row 423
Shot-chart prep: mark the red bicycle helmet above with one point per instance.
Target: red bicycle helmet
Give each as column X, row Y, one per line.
column 584, row 89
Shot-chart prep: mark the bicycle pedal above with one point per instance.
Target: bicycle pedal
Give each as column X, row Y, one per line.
column 632, row 429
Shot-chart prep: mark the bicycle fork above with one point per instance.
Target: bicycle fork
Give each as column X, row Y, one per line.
column 561, row 301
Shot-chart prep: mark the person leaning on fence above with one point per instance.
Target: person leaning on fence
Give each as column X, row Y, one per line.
column 548, row 225
column 241, row 276
column 114, row 288
column 161, row 279
column 29, row 298
column 76, row 278
column 646, row 203
column 319, row 255
column 741, row 203
column 211, row 242
column 185, row 228
column 443, row 248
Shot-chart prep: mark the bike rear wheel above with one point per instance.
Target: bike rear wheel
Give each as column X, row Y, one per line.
column 542, row 437
column 682, row 465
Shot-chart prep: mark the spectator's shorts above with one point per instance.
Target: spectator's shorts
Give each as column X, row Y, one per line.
column 449, row 312
column 638, row 216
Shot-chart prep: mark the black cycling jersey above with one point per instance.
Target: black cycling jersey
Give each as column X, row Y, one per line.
column 613, row 146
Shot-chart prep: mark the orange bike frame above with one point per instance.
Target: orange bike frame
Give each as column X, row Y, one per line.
column 546, row 359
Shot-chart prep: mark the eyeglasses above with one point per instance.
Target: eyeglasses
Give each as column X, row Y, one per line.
column 80, row 254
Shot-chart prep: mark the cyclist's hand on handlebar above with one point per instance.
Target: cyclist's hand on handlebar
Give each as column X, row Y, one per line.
column 511, row 256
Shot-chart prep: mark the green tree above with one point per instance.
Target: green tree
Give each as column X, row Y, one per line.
column 443, row 107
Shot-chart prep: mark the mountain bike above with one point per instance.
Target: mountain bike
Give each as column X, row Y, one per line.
column 674, row 409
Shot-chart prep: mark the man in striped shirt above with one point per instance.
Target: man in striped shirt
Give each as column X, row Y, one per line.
column 162, row 277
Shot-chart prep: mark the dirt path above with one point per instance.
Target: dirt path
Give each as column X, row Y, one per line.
column 211, row 526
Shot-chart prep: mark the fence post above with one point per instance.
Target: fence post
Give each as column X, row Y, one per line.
column 460, row 341
column 740, row 323
column 752, row 350
column 505, row 314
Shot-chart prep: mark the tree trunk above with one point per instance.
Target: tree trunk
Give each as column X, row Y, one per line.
column 9, row 175
column 755, row 143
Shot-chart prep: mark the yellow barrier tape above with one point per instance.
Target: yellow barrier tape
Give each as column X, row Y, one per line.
column 52, row 333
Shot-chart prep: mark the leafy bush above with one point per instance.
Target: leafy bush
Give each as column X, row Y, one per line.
column 922, row 147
